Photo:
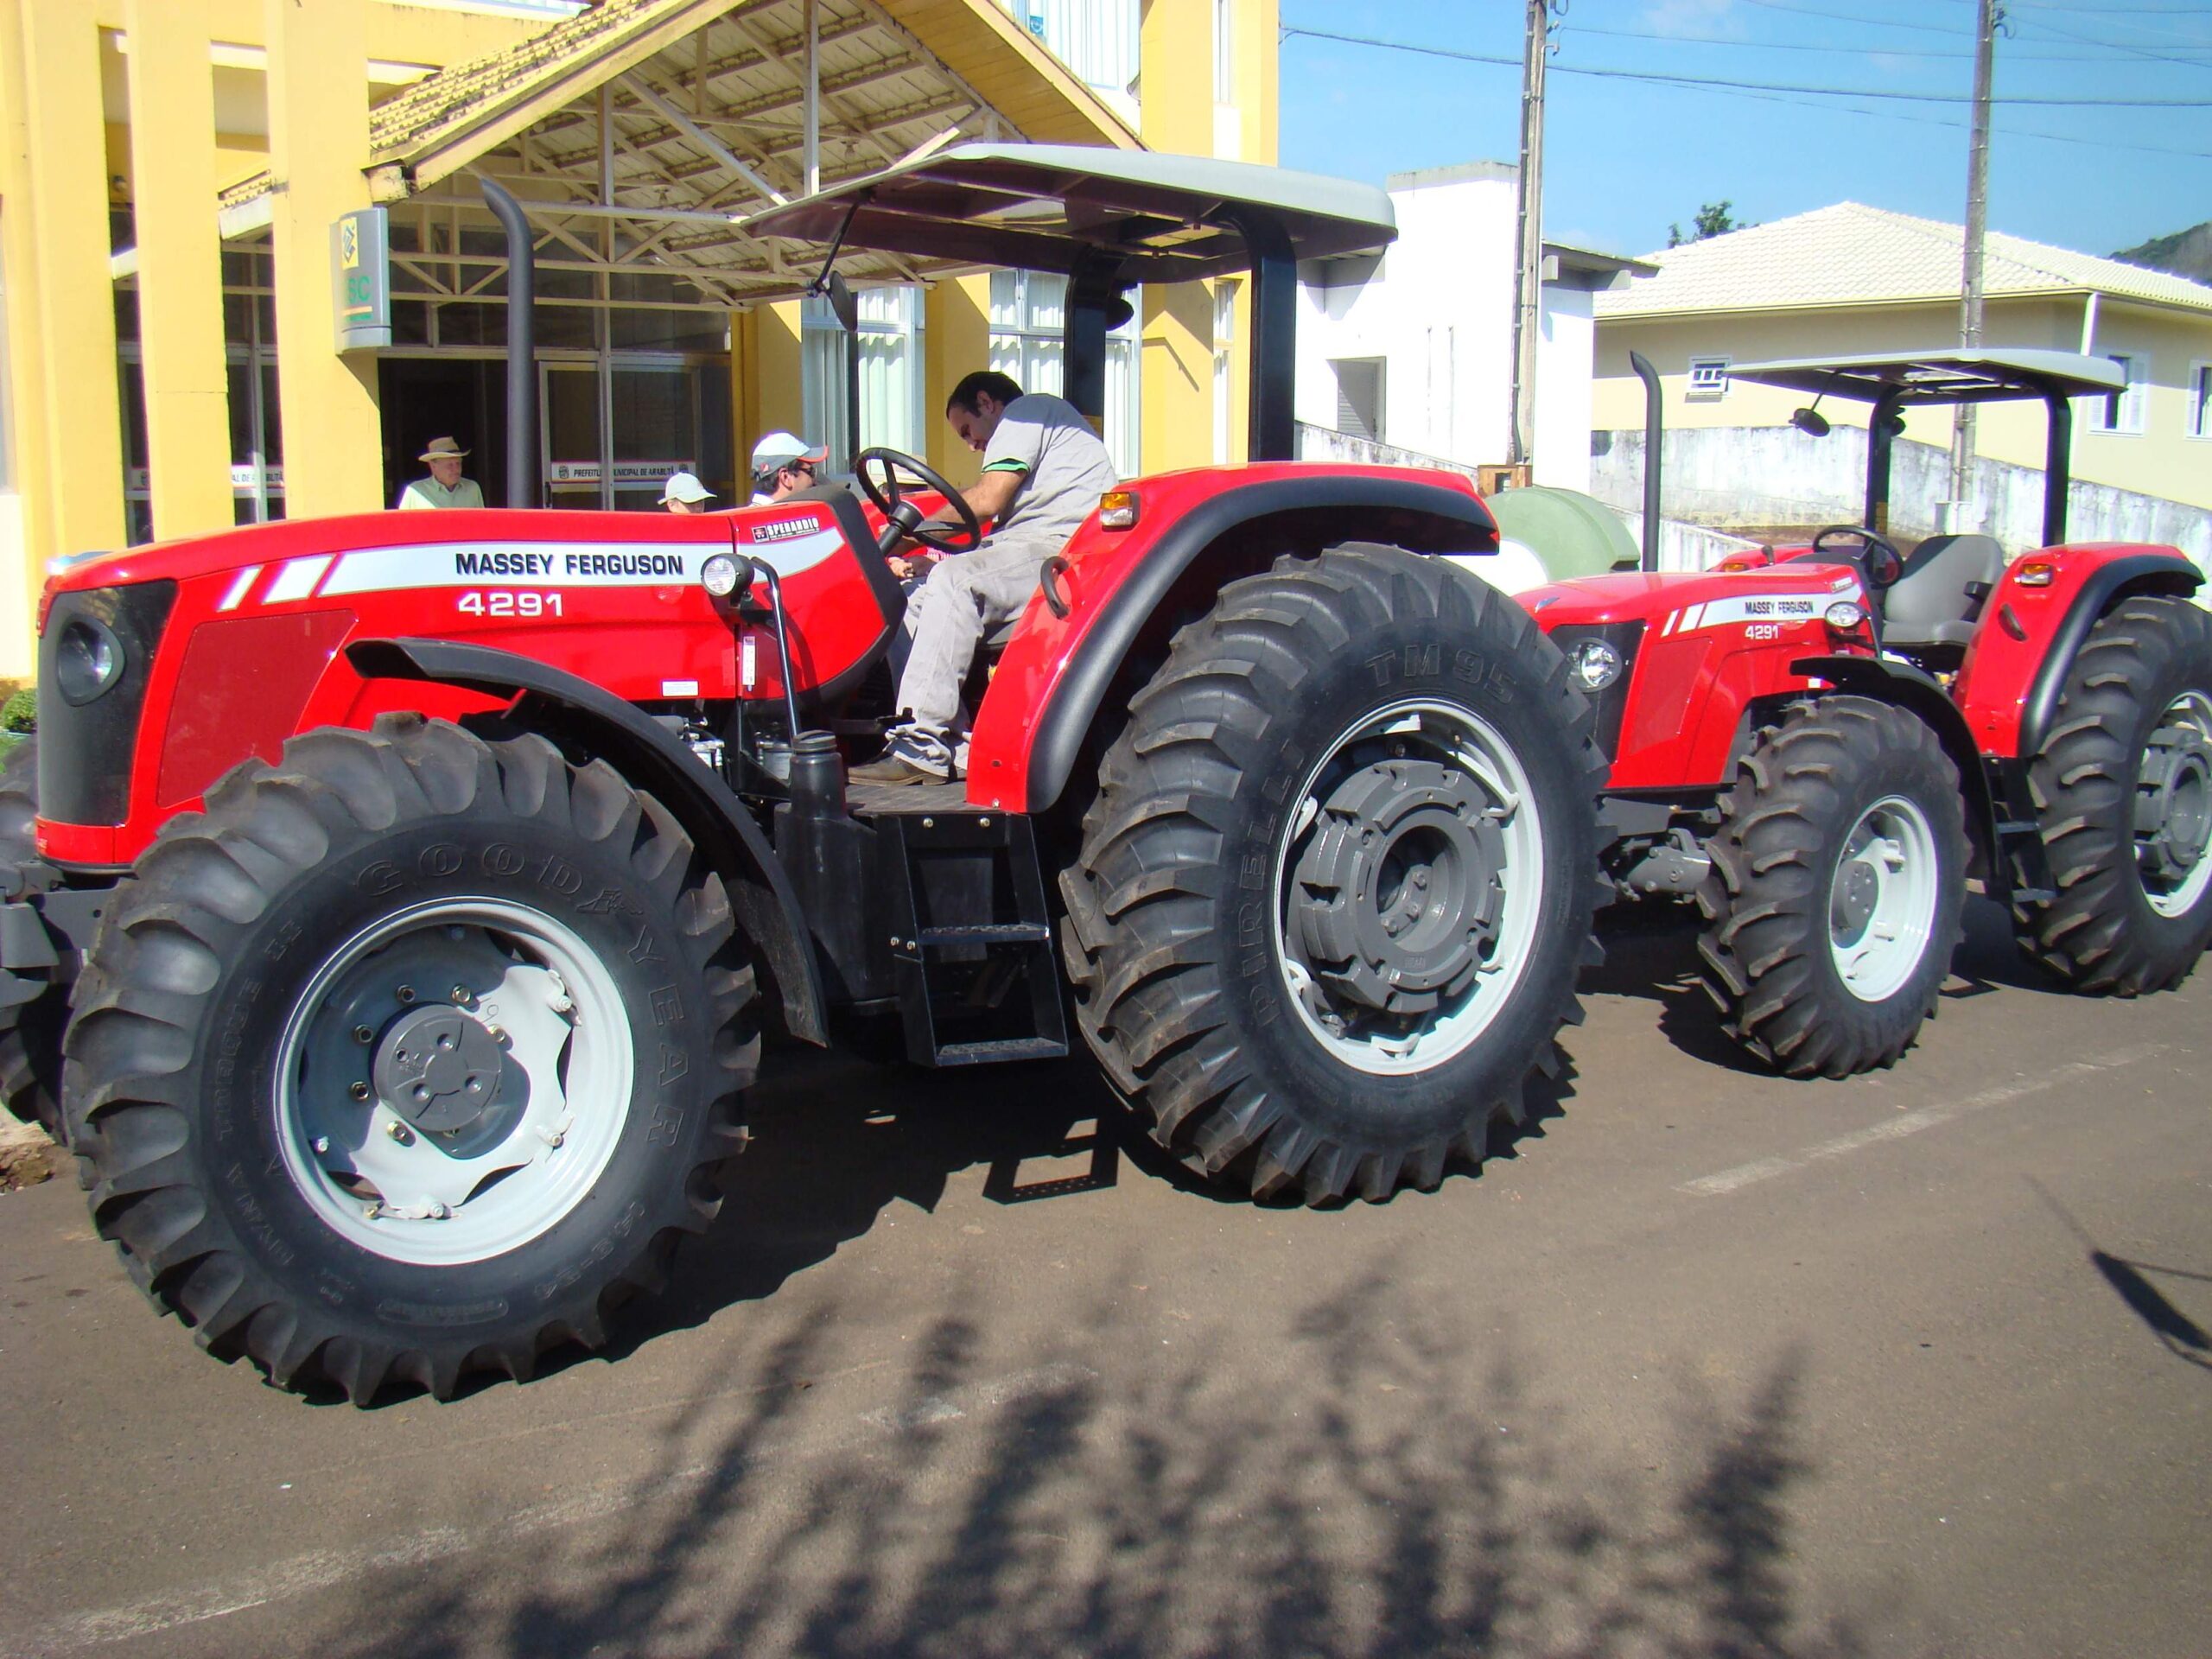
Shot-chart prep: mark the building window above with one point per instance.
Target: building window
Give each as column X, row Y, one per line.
column 2122, row 412
column 1359, row 396
column 2200, row 400
column 1097, row 39
column 1708, row 379
column 1028, row 315
column 892, row 417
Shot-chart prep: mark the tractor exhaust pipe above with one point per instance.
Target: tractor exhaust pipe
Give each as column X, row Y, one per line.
column 522, row 355
column 1653, row 420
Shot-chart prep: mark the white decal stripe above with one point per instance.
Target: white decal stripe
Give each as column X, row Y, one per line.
column 234, row 595
column 557, row 564
column 297, row 579
column 1673, row 617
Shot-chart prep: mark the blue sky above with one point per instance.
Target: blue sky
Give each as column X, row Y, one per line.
column 1623, row 158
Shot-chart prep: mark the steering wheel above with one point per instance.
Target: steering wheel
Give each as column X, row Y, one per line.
column 1875, row 558
column 904, row 519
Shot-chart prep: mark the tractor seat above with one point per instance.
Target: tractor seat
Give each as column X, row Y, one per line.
column 1937, row 600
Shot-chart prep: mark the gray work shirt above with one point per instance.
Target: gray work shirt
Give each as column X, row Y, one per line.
column 1064, row 469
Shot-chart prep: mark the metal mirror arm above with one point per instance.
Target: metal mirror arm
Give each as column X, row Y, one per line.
column 1882, row 423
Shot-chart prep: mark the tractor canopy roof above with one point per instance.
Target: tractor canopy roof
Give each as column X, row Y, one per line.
column 1907, row 379
column 1154, row 217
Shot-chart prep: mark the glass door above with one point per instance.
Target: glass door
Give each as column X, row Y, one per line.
column 568, row 403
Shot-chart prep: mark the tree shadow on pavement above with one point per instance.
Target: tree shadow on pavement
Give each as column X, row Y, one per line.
column 1397, row 1487
column 836, row 1143
column 2180, row 1335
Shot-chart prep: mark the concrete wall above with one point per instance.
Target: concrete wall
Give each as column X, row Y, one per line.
column 1735, row 477
column 2163, row 461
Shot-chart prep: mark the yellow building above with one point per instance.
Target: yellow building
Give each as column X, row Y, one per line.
column 173, row 172
column 1850, row 278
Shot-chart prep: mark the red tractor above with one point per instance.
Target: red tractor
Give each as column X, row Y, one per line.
column 1824, row 744
column 410, row 896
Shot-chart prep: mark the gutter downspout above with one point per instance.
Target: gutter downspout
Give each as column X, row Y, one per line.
column 2089, row 324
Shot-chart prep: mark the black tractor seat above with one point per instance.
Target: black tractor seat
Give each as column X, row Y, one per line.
column 1935, row 604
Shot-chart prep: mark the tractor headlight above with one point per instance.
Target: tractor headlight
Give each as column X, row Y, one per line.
column 87, row 661
column 1844, row 616
column 1596, row 663
column 719, row 575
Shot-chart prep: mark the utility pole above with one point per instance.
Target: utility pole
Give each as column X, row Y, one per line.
column 1991, row 18
column 1527, row 272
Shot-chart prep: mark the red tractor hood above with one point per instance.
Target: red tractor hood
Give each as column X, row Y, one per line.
column 1638, row 596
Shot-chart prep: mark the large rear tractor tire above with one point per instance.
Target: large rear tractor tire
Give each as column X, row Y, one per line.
column 1339, row 877
column 409, row 1056
column 2123, row 795
column 1838, row 883
column 32, row 1009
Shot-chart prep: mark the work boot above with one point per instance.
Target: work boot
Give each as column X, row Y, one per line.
column 913, row 757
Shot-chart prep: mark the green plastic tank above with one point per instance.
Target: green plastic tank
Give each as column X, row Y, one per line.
column 1574, row 534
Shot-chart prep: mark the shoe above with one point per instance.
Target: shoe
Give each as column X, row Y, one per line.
column 894, row 768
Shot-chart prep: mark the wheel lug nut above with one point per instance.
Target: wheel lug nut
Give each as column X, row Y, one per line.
column 362, row 1034
column 400, row 1133
column 405, row 993
column 359, row 1091
column 321, row 1144
column 461, row 993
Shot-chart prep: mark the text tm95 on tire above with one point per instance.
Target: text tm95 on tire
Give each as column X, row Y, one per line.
column 1339, row 877
column 408, row 1055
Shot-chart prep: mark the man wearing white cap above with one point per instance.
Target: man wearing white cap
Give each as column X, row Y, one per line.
column 445, row 486
column 784, row 463
column 684, row 493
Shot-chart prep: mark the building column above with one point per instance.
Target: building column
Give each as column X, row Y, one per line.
column 1175, row 64
column 956, row 342
column 68, row 414
column 318, row 146
column 180, row 269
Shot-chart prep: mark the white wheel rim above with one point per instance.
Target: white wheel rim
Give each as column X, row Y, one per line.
column 552, row 1011
column 1882, row 900
column 2168, row 896
column 1439, row 732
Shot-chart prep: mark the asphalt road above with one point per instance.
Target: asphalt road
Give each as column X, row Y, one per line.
column 1707, row 1364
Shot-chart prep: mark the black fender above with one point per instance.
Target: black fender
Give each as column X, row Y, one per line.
column 2165, row 573
column 561, row 706
column 1325, row 509
column 1924, row 696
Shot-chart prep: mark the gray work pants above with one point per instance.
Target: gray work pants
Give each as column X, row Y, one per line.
column 966, row 598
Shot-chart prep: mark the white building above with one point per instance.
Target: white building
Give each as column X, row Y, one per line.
column 1411, row 349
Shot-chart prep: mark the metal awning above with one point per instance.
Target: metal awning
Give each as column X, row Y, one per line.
column 1911, row 378
column 638, row 134
column 1164, row 219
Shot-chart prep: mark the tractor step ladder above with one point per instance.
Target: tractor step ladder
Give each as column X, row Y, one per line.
column 968, row 891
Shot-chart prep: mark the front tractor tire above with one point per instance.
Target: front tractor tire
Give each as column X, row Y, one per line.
column 409, row 1056
column 1339, row 877
column 2122, row 791
column 32, row 1008
column 1838, row 883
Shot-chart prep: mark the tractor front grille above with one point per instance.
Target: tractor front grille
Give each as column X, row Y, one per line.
column 85, row 747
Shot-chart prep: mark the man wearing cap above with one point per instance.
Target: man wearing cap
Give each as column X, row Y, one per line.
column 684, row 493
column 445, row 486
column 782, row 464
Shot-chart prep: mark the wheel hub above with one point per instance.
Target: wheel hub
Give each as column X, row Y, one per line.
column 1859, row 886
column 438, row 1068
column 1401, row 877
column 2173, row 802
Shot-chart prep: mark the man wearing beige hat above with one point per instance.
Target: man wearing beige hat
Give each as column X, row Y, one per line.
column 445, row 486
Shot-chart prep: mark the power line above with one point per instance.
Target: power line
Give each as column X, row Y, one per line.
column 1662, row 78
column 2134, row 51
column 2063, row 55
column 1853, row 18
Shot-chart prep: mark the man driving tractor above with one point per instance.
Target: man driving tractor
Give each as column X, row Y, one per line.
column 1044, row 470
